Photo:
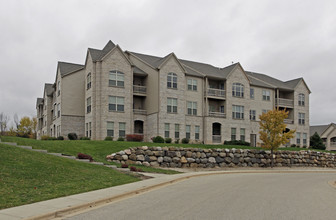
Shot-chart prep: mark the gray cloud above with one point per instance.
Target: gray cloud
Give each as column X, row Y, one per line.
column 285, row 39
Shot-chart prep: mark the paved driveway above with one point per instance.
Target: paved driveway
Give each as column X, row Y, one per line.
column 233, row 196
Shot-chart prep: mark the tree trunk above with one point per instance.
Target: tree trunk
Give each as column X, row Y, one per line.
column 272, row 158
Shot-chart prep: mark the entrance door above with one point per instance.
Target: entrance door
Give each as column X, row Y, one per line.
column 216, row 133
column 138, row 127
column 253, row 139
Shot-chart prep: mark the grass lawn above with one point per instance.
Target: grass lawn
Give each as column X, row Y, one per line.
column 28, row 177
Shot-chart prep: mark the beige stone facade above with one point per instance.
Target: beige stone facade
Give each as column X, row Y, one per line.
column 118, row 92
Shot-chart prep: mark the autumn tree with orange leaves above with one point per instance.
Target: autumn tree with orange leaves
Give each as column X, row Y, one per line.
column 273, row 130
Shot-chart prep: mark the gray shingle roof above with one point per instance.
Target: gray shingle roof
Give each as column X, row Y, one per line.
column 67, row 68
column 139, row 71
column 98, row 54
column 318, row 128
column 272, row 82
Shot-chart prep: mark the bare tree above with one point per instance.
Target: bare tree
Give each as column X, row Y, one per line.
column 3, row 122
column 16, row 121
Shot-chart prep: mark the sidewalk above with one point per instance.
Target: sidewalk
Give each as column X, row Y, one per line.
column 62, row 206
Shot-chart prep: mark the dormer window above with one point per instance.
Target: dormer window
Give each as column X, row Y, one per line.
column 172, row 81
column 238, row 90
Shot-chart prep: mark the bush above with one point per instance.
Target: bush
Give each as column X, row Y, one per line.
column 84, row 138
column 108, row 138
column 237, row 142
column 124, row 166
column 121, row 139
column 45, row 137
column 185, row 141
column 168, row 140
column 293, row 145
column 158, row 139
column 84, row 156
column 134, row 137
column 134, row 169
column 316, row 142
column 61, row 138
column 52, row 139
column 72, row 136
column 177, row 141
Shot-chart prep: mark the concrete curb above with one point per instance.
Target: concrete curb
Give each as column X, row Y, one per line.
column 77, row 208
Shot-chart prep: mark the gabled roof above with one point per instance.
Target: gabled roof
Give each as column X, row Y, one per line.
column 39, row 102
column 271, row 82
column 139, row 71
column 67, row 68
column 48, row 89
column 97, row 55
column 320, row 129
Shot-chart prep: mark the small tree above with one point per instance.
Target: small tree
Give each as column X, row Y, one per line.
column 316, row 142
column 25, row 127
column 3, row 122
column 272, row 130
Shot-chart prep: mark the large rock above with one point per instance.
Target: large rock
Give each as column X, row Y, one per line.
column 183, row 160
column 127, row 151
column 219, row 159
column 140, row 157
column 212, row 160
column 124, row 157
column 160, row 159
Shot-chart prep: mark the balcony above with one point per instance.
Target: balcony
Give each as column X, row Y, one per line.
column 140, row 111
column 217, row 114
column 288, row 103
column 142, row 90
column 288, row 121
column 216, row 139
column 217, row 93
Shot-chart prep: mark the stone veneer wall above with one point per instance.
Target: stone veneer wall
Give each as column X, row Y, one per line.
column 209, row 158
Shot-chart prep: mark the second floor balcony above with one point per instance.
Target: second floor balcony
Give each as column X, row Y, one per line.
column 289, row 121
column 142, row 90
column 220, row 93
column 140, row 111
column 287, row 103
column 217, row 114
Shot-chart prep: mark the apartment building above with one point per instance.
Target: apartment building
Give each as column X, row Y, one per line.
column 327, row 133
column 123, row 92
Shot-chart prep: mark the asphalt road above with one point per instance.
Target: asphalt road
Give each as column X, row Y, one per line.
column 233, row 196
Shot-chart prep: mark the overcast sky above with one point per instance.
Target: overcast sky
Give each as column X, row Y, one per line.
column 284, row 39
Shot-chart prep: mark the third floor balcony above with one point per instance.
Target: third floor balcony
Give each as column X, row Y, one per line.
column 287, row 103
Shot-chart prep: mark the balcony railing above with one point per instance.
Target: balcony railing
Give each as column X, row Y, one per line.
column 289, row 121
column 217, row 114
column 139, row 89
column 284, row 102
column 216, row 92
column 216, row 139
column 140, row 111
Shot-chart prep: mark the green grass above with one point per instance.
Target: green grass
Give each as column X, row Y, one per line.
column 28, row 177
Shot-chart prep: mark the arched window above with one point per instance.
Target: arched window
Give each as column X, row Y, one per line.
column 88, row 81
column 301, row 99
column 172, row 80
column 116, row 78
column 238, row 90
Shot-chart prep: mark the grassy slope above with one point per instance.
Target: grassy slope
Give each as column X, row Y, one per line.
column 27, row 177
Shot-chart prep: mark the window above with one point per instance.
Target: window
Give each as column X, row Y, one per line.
column 188, row 131
column 177, row 131
column 266, row 95
column 197, row 132
column 116, row 78
column 264, row 111
column 242, row 134
column 58, row 88
column 251, row 93
column 172, row 81
column 237, row 112
column 304, row 138
column 221, row 109
column 301, row 118
column 122, row 129
column 233, row 134
column 192, row 108
column 88, row 105
column 116, row 103
column 88, row 81
column 86, row 129
column 298, row 137
column 171, row 105
column 58, row 110
column 238, row 90
column 89, row 129
column 192, row 84
column 110, row 129
column 301, row 99
column 167, row 128
column 253, row 115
